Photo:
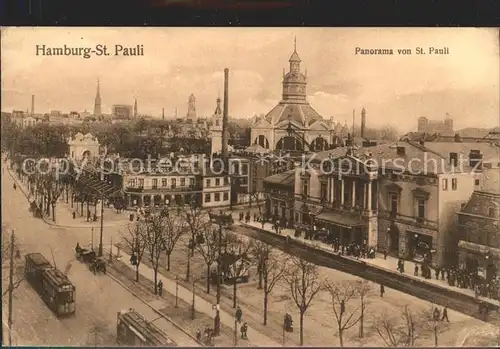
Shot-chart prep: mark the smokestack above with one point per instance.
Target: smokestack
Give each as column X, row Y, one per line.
column 163, row 113
column 363, row 122
column 225, row 116
column 32, row 105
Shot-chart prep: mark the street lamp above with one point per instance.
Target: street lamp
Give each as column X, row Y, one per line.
column 177, row 292
column 222, row 220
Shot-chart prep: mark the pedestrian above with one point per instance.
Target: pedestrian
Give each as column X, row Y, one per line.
column 160, row 288
column 255, row 217
column 445, row 314
column 436, row 314
column 385, row 254
column 437, row 273
column 239, row 314
column 243, row 330
column 198, row 335
column 382, row 290
column 416, row 270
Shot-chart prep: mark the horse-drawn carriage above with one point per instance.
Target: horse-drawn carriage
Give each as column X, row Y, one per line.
column 89, row 257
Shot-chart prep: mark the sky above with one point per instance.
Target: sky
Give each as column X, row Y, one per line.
column 394, row 89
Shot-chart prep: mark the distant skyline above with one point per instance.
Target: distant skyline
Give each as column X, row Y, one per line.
column 394, row 89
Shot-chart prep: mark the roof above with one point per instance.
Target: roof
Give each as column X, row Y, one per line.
column 480, row 202
column 37, row 259
column 284, row 178
column 256, row 148
column 148, row 330
column 302, row 114
column 491, row 181
column 342, row 219
column 294, row 57
column 491, row 152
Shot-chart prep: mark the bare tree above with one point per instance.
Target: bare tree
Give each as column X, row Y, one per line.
column 135, row 240
column 154, row 240
column 388, row 133
column 197, row 221
column 303, row 279
column 208, row 249
column 11, row 260
column 260, row 252
column 397, row 331
column 363, row 291
column 430, row 321
column 346, row 317
column 255, row 198
column 236, row 260
column 173, row 230
column 100, row 334
column 273, row 267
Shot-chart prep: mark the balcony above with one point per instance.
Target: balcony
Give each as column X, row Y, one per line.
column 410, row 220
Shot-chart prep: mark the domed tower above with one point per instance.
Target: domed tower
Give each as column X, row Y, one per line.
column 216, row 129
column 294, row 82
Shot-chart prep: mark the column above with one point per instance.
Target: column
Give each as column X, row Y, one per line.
column 353, row 203
column 129, row 200
column 342, row 192
column 332, row 189
column 369, row 206
column 152, row 200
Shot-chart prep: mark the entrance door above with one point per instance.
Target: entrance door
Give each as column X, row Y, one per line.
column 393, row 242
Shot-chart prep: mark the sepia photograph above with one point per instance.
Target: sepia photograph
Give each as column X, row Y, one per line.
column 250, row 187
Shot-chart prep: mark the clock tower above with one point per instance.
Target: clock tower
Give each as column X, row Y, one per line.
column 294, row 82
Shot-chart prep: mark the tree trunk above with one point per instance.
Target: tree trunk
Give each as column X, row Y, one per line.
column 435, row 336
column 265, row 300
column 341, row 337
column 301, row 328
column 168, row 261
column 188, row 266
column 260, row 276
column 53, row 213
column 361, row 329
column 234, row 293
column 265, row 307
column 88, row 210
column 137, row 273
column 81, row 208
column 155, row 270
column 209, row 279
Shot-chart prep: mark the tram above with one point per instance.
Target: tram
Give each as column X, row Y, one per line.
column 134, row 330
column 51, row 284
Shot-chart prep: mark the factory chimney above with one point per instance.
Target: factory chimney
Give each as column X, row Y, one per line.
column 225, row 117
column 363, row 122
column 32, row 105
column 163, row 114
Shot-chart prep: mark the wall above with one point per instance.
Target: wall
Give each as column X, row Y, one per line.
column 450, row 202
column 223, row 187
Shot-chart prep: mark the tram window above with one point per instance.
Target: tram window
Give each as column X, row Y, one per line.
column 66, row 297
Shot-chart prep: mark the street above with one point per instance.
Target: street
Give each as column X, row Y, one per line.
column 98, row 297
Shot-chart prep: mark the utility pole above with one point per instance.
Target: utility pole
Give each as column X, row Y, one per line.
column 102, row 222
column 11, row 285
column 193, row 308
column 219, row 272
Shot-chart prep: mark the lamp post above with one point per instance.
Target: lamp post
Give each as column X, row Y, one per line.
column 221, row 220
column 177, row 292
column 193, row 309
column 102, row 222
column 235, row 330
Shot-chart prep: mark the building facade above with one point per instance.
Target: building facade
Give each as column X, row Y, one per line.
column 444, row 127
column 216, row 190
column 478, row 224
column 81, row 146
column 122, row 111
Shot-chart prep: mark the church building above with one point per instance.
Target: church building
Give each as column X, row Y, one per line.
column 293, row 124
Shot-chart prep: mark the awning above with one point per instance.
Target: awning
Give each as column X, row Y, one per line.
column 341, row 219
column 480, row 249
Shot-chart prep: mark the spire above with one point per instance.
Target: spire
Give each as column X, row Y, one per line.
column 135, row 108
column 97, row 101
column 295, row 43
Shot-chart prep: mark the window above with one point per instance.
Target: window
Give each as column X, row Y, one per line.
column 226, row 180
column 209, row 182
column 445, row 184
column 421, row 208
column 217, row 197
column 131, row 183
column 183, row 182
column 305, row 187
column 191, row 182
column 244, row 169
column 164, row 182
column 217, row 182
column 476, row 182
column 394, row 204
column 454, row 183
column 244, row 180
column 226, row 196
column 141, row 183
column 155, row 183
column 492, row 212
column 207, row 197
column 174, row 183
column 324, row 191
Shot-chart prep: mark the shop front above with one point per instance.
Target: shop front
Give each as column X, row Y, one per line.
column 344, row 227
column 419, row 247
column 480, row 260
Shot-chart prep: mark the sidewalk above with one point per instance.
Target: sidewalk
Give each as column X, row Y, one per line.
column 64, row 213
column 389, row 264
column 203, row 306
